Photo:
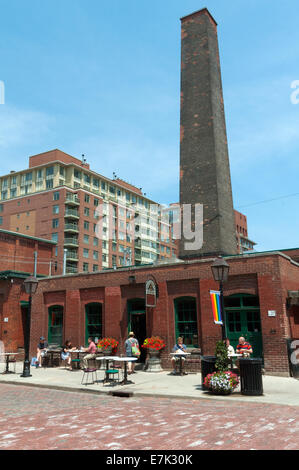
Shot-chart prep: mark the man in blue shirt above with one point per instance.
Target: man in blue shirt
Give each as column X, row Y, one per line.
column 180, row 348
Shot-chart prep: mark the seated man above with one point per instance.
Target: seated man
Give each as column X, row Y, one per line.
column 244, row 347
column 178, row 347
column 91, row 350
column 41, row 349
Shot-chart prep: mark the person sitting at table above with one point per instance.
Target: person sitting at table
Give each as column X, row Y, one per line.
column 178, row 347
column 66, row 353
column 230, row 349
column 128, row 346
column 91, row 353
column 41, row 350
column 244, row 347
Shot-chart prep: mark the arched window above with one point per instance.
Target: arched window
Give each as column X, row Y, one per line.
column 186, row 320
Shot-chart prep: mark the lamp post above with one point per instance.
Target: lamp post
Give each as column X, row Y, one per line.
column 30, row 287
column 220, row 270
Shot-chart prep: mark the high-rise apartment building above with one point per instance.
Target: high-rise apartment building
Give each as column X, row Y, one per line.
column 96, row 222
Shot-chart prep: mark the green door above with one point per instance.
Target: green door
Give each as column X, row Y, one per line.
column 93, row 321
column 137, row 322
column 55, row 325
column 242, row 318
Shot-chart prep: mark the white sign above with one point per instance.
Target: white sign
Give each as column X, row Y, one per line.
column 5, row 319
column 271, row 313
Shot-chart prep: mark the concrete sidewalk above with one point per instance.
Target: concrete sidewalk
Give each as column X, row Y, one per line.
column 277, row 390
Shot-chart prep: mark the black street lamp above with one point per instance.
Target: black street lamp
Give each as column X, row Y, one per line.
column 30, row 287
column 220, row 270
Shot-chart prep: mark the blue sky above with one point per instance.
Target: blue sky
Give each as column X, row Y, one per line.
column 103, row 78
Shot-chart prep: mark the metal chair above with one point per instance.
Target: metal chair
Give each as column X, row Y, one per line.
column 13, row 361
column 86, row 373
column 111, row 372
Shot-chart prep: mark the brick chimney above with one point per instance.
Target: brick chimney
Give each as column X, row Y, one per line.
column 204, row 161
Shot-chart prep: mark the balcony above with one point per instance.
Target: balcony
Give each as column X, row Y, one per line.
column 74, row 228
column 137, row 243
column 72, row 200
column 71, row 213
column 71, row 242
column 72, row 256
column 71, row 270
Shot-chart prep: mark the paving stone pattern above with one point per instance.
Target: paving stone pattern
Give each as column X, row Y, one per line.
column 43, row 419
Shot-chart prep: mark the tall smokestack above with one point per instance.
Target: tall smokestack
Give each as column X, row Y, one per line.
column 204, row 162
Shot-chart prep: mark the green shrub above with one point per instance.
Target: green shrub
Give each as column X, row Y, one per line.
column 221, row 356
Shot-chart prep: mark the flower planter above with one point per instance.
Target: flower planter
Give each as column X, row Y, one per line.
column 153, row 361
column 221, row 383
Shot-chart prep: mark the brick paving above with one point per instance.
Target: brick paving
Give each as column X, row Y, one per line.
column 43, row 419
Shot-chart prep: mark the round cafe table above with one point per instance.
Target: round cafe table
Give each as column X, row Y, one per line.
column 125, row 360
column 180, row 356
column 77, row 360
column 125, row 380
column 107, row 359
column 7, row 356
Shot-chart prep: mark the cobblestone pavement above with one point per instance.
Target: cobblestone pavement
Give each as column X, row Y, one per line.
column 44, row 419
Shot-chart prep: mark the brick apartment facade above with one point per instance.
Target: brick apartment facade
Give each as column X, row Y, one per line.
column 258, row 284
column 243, row 242
column 17, row 263
column 61, row 199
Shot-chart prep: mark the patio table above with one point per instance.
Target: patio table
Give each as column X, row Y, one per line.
column 50, row 353
column 125, row 380
column 78, row 358
column 7, row 356
column 180, row 355
column 125, row 360
column 107, row 359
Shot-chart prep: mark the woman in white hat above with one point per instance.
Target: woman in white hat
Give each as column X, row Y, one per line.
column 131, row 341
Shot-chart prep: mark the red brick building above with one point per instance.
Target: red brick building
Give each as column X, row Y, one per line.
column 61, row 199
column 17, row 254
column 243, row 242
column 112, row 303
column 260, row 296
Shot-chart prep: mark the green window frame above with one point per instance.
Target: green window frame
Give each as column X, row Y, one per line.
column 93, row 320
column 55, row 324
column 186, row 324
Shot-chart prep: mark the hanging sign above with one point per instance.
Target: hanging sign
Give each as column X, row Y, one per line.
column 150, row 293
column 216, row 307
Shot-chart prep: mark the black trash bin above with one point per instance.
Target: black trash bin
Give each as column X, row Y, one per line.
column 251, row 376
column 207, row 367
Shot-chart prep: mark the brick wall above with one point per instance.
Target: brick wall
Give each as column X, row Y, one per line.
column 256, row 275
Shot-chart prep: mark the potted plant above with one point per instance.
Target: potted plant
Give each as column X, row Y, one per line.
column 223, row 381
column 153, row 345
column 108, row 345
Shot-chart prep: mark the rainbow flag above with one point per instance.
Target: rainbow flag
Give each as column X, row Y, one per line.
column 216, row 307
